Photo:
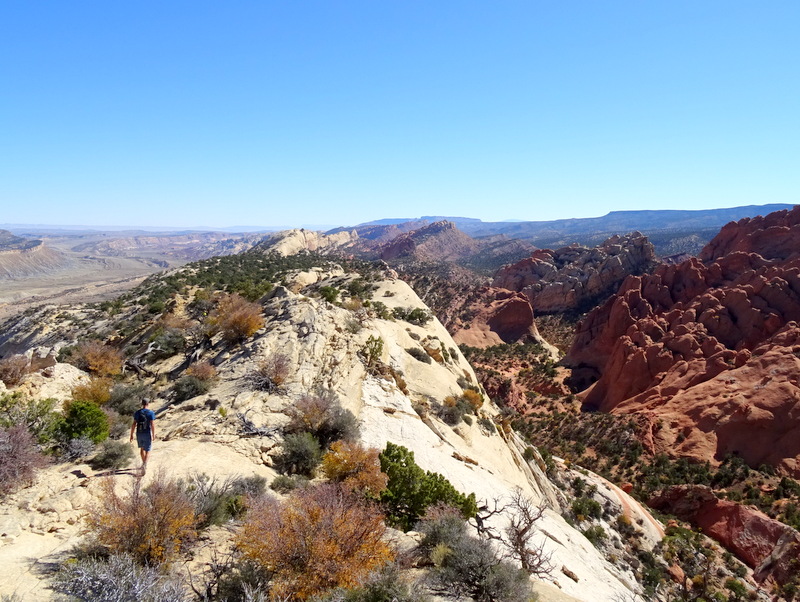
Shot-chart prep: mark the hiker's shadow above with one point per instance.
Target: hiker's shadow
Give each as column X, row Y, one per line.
column 133, row 472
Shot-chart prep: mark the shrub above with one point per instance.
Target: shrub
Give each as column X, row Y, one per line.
column 270, row 373
column 596, row 534
column 473, row 398
column 584, row 508
column 357, row 468
column 468, row 566
column 237, row 318
column 96, row 391
column 76, row 449
column 126, row 399
column 83, row 419
column 488, row 426
column 202, row 371
column 371, row 352
column 301, row 454
column 218, row 501
column 97, row 358
column 118, row 425
column 116, row 579
column 13, row 369
column 19, row 458
column 320, row 538
column 151, row 524
column 329, row 293
column 285, row 483
column 321, row 415
column 189, row 386
column 37, row 415
column 112, row 455
column 416, row 315
column 386, row 585
column 167, row 342
column 411, row 490
column 419, row 354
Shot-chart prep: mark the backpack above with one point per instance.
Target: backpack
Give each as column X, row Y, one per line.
column 142, row 421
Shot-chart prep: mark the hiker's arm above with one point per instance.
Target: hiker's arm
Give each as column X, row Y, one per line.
column 133, row 426
column 152, row 429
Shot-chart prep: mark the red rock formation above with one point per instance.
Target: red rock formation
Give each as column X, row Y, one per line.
column 768, row 546
column 707, row 349
column 569, row 278
column 497, row 316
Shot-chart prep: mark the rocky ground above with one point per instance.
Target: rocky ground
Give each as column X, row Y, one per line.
column 325, row 345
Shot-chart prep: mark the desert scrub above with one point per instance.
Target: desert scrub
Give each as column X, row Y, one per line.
column 112, row 455
column 419, row 354
column 321, row 415
column 189, row 386
column 19, row 460
column 467, row 566
column 152, row 524
column 38, row 416
column 270, row 373
column 301, row 455
column 356, row 467
column 117, row 578
column 410, row 490
column 296, row 539
column 83, row 419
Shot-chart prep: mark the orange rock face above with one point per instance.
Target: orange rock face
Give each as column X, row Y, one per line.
column 708, row 349
column 498, row 316
column 768, row 546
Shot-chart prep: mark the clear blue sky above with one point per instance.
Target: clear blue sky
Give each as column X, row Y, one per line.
column 338, row 112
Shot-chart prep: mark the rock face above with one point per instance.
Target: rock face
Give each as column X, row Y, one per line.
column 768, row 546
column 498, row 316
column 440, row 241
column 571, row 277
column 291, row 242
column 709, row 349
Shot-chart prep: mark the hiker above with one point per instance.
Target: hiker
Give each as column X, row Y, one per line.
column 145, row 427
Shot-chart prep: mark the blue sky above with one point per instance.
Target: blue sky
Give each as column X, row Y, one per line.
column 287, row 113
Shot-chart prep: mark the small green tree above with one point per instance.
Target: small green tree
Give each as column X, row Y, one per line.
column 84, row 419
column 411, row 490
column 329, row 293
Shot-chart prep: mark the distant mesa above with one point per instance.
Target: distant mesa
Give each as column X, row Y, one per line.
column 22, row 257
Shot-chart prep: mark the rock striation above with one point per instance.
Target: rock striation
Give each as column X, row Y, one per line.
column 768, row 546
column 708, row 350
column 572, row 277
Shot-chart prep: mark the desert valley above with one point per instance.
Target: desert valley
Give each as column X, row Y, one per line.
column 425, row 409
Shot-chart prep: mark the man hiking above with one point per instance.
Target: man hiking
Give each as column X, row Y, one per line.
column 144, row 424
